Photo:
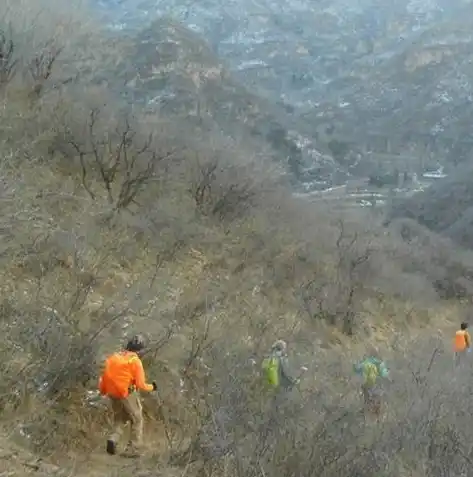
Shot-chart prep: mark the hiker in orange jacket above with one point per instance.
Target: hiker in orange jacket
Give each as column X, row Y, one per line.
column 461, row 343
column 123, row 375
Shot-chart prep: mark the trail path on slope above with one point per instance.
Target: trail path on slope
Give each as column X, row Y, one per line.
column 16, row 461
column 99, row 463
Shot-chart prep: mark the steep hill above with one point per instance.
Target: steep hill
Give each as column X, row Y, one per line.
column 420, row 90
column 171, row 71
column 395, row 70
column 445, row 207
column 117, row 219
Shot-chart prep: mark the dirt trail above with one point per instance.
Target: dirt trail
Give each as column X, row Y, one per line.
column 99, row 463
column 19, row 462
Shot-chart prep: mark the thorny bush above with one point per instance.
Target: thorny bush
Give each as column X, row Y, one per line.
column 222, row 190
column 118, row 159
column 324, row 431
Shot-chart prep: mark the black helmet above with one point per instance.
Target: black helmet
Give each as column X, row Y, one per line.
column 136, row 343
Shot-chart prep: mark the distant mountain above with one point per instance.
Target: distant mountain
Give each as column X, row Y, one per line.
column 296, row 48
column 400, row 70
column 422, row 88
column 170, row 70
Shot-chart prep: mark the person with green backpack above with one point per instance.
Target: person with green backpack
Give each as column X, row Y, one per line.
column 371, row 368
column 276, row 368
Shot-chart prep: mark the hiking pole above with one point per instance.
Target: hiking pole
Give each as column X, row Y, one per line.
column 304, row 369
column 164, row 419
column 296, row 383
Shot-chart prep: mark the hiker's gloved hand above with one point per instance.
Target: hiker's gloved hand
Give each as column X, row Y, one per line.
column 155, row 386
column 468, row 350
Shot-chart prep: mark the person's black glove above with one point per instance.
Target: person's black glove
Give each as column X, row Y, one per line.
column 155, row 386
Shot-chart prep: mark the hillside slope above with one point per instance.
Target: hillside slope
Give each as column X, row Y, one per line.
column 117, row 220
column 421, row 89
column 445, row 207
column 171, row 70
column 366, row 68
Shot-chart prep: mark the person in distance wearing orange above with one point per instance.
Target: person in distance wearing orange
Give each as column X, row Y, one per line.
column 122, row 377
column 461, row 343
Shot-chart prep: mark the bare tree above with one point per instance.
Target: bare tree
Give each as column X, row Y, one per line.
column 123, row 166
column 225, row 191
column 8, row 63
column 201, row 188
column 318, row 298
column 353, row 254
column 335, row 298
column 41, row 66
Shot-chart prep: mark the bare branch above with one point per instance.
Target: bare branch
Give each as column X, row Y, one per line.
column 8, row 63
column 123, row 164
column 41, row 66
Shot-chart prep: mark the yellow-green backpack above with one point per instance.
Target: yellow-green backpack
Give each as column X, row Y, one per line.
column 271, row 368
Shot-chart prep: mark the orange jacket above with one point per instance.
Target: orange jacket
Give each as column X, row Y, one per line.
column 122, row 374
column 462, row 340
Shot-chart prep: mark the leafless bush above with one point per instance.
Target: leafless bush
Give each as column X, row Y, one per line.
column 41, row 66
column 325, row 432
column 60, row 356
column 121, row 164
column 420, row 251
column 8, row 62
column 221, row 190
column 353, row 258
column 50, row 361
column 334, row 298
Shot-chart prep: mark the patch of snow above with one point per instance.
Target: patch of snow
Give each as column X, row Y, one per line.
column 194, row 27
column 117, row 26
column 251, row 64
column 438, row 174
column 434, row 175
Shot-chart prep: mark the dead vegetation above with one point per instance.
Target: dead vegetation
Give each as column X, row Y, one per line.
column 117, row 161
column 213, row 259
column 242, row 432
column 7, row 61
column 223, row 189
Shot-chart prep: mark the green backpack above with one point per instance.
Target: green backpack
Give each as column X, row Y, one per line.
column 271, row 368
column 382, row 368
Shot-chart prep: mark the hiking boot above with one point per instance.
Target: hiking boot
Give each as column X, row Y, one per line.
column 111, row 447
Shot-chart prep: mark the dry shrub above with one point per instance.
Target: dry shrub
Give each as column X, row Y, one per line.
column 324, row 431
column 226, row 182
column 114, row 156
column 40, row 36
column 8, row 62
column 421, row 252
column 48, row 52
column 221, row 261
column 222, row 192
column 52, row 340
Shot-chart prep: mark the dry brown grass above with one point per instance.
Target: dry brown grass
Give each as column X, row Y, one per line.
column 212, row 260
